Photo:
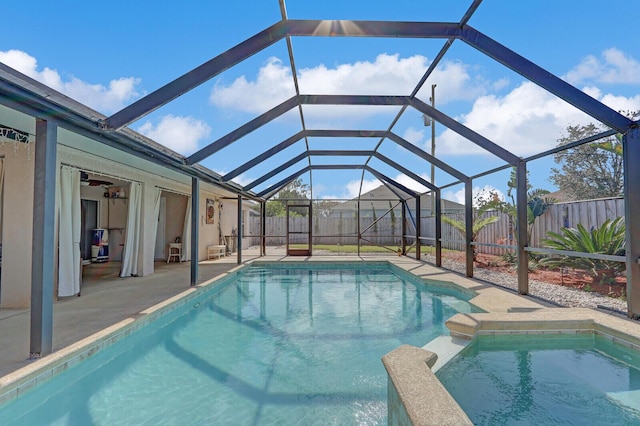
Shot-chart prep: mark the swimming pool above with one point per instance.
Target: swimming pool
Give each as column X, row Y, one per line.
column 550, row 379
column 279, row 344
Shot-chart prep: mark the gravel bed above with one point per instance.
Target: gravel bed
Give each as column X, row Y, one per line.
column 558, row 295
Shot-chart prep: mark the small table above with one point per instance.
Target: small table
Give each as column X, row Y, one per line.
column 175, row 250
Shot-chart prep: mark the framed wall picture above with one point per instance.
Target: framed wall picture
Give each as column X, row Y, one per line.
column 210, row 211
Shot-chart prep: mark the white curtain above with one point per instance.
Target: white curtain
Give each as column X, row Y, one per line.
column 132, row 237
column 69, row 232
column 186, row 233
column 156, row 212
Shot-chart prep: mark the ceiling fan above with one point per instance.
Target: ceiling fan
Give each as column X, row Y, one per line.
column 85, row 181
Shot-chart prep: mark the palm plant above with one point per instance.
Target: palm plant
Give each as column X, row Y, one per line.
column 478, row 224
column 607, row 239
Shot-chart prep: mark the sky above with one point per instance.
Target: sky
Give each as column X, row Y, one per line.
column 108, row 55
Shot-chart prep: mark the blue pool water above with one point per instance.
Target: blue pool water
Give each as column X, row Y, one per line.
column 280, row 345
column 546, row 380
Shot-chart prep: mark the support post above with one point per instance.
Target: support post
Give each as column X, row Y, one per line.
column 521, row 224
column 263, row 228
column 404, row 227
column 468, row 226
column 631, row 153
column 240, row 230
column 43, row 245
column 418, row 245
column 438, row 231
column 195, row 202
column 358, row 223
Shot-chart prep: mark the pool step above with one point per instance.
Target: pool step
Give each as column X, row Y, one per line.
column 629, row 399
column 446, row 347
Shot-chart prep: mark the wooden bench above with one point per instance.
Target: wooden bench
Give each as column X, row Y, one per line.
column 216, row 251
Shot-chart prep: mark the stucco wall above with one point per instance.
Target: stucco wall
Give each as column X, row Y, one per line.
column 15, row 287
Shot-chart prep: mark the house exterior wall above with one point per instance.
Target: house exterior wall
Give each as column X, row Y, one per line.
column 15, row 284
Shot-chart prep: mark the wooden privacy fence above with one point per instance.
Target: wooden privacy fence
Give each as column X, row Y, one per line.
column 333, row 230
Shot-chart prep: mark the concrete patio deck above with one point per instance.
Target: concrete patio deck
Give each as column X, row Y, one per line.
column 105, row 300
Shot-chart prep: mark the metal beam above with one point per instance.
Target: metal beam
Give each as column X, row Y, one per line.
column 354, row 100
column 243, row 130
column 268, row 193
column 240, row 230
column 468, row 226
column 195, row 215
column 418, row 226
column 43, row 239
column 275, row 171
column 545, row 79
column 438, row 232
column 345, row 133
column 197, row 76
column 340, row 153
column 353, row 28
column 298, row 158
column 406, row 171
column 265, row 155
column 465, row 132
column 523, row 239
column 631, row 153
column 404, row 227
column 390, row 181
column 426, row 156
column 263, row 228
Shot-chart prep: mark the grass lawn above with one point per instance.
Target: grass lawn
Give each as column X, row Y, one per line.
column 334, row 248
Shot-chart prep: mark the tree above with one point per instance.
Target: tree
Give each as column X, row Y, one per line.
column 478, row 224
column 588, row 171
column 295, row 190
column 375, row 219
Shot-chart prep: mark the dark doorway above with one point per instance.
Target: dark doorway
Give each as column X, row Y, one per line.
column 89, row 221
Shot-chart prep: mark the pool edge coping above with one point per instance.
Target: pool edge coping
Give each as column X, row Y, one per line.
column 41, row 370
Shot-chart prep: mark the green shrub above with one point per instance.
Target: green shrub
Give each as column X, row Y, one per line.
column 608, row 239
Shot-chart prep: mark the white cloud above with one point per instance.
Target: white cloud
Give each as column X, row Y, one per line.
column 408, row 182
column 181, row 134
column 613, row 67
column 105, row 99
column 414, row 136
column 386, row 75
column 272, row 86
column 242, row 179
column 353, row 187
column 458, row 196
column 525, row 121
